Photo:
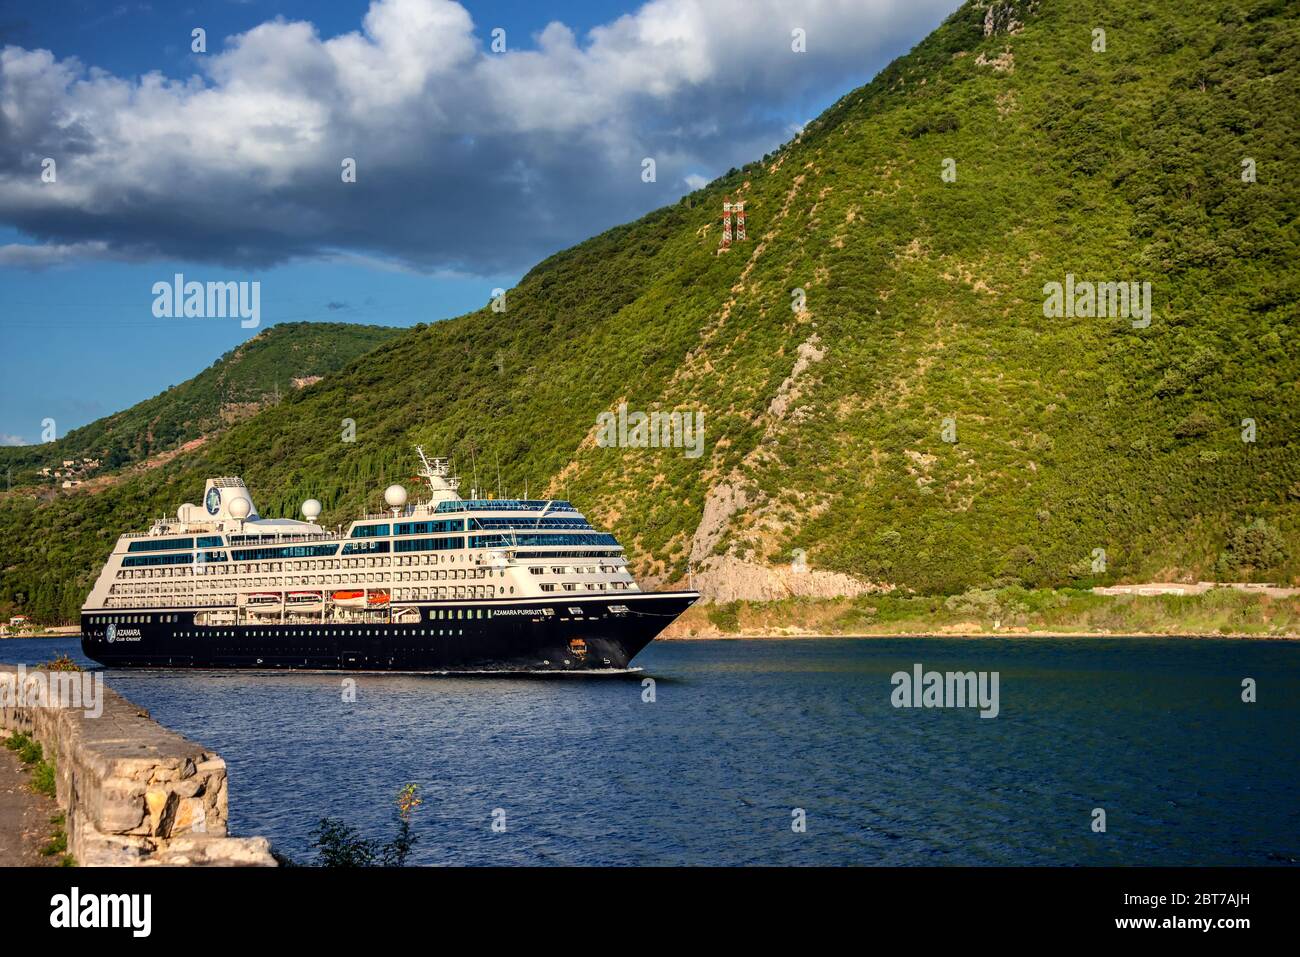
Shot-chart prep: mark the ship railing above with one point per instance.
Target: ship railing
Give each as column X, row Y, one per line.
column 250, row 538
column 241, row 541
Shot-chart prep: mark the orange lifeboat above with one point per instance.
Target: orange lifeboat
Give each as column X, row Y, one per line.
column 378, row 598
column 349, row 599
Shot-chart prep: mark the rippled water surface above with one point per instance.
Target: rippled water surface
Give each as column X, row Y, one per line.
column 741, row 732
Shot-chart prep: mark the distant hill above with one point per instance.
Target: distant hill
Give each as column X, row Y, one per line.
column 277, row 360
column 922, row 424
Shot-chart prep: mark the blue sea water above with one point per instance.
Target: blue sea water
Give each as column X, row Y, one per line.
column 740, row 733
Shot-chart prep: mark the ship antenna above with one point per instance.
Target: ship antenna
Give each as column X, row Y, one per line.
column 426, row 470
column 437, row 472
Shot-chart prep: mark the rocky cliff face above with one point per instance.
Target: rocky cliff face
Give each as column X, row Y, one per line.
column 1007, row 16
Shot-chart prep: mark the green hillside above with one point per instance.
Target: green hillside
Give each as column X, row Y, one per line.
column 233, row 388
column 825, row 428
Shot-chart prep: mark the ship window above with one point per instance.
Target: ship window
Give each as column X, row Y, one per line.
column 160, row 544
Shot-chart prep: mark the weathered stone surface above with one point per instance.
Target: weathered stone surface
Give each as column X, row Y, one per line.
column 209, row 851
column 135, row 792
column 187, row 815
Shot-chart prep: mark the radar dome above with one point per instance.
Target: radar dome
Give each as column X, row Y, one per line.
column 239, row 507
column 311, row 510
column 395, row 496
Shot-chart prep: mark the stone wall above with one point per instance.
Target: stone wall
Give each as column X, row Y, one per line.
column 134, row 792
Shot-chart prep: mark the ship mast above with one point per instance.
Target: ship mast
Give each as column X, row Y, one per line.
column 437, row 472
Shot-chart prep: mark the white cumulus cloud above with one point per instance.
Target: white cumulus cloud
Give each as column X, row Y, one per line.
column 467, row 160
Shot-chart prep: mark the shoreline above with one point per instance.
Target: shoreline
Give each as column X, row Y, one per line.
column 1010, row 611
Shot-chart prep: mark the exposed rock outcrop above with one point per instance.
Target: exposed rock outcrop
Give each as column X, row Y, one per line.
column 724, row 578
column 1007, row 16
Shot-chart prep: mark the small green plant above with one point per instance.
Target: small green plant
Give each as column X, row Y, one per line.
column 58, row 842
column 43, row 781
column 28, row 748
column 61, row 663
column 726, row 617
column 340, row 845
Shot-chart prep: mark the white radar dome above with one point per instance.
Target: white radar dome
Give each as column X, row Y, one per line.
column 240, row 507
column 311, row 510
column 395, row 496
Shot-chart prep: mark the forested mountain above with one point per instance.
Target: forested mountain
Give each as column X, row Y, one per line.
column 889, row 392
column 277, row 360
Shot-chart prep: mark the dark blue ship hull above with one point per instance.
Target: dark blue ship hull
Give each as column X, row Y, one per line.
column 579, row 634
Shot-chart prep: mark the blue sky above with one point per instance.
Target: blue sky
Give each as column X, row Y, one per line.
column 473, row 163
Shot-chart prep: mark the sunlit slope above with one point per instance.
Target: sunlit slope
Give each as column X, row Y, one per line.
column 825, row 428
column 277, row 360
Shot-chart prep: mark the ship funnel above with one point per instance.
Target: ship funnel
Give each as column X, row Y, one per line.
column 228, row 498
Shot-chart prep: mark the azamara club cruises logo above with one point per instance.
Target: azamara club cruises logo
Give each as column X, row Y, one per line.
column 113, row 633
column 213, row 501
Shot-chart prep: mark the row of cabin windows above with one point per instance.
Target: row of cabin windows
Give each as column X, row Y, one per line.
column 131, row 619
column 583, row 586
column 577, row 569
column 254, row 567
column 203, row 568
column 436, row 614
column 173, row 544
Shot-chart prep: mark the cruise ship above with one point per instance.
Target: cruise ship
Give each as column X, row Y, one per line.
column 446, row 585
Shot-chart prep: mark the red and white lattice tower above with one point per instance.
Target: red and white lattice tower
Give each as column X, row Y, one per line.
column 739, row 209
column 726, row 223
